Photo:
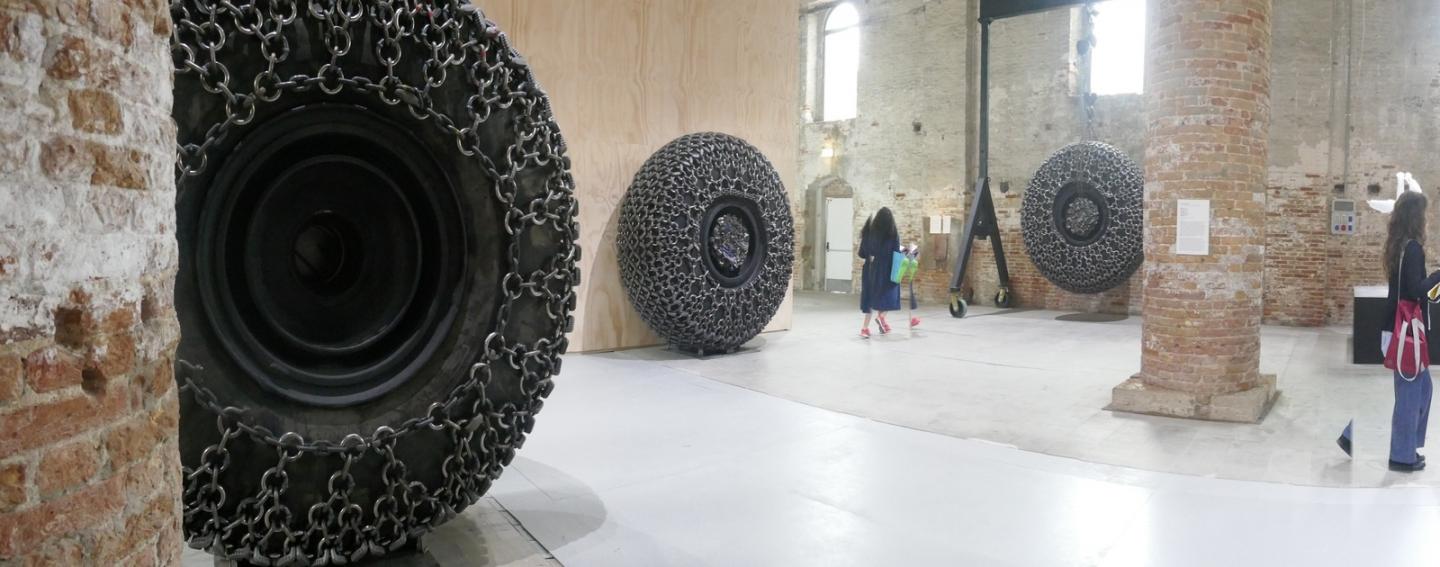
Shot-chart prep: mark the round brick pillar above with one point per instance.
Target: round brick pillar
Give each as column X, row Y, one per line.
column 89, row 463
column 1207, row 98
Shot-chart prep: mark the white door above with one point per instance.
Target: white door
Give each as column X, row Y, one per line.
column 839, row 235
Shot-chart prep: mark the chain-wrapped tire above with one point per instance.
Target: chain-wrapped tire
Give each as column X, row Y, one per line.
column 706, row 242
column 376, row 225
column 1083, row 218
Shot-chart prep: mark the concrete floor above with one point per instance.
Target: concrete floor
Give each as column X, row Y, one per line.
column 979, row 441
column 636, row 463
column 1039, row 383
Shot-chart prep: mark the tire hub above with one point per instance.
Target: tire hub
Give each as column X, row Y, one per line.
column 1080, row 213
column 732, row 232
column 331, row 246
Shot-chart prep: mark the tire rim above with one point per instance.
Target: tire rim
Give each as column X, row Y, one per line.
column 331, row 246
column 1081, row 215
column 731, row 241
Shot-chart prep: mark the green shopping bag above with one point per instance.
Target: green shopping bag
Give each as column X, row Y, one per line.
column 903, row 267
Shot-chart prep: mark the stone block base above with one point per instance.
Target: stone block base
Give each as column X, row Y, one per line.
column 1248, row 406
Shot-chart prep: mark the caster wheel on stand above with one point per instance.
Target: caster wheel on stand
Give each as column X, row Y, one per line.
column 1003, row 299
column 958, row 307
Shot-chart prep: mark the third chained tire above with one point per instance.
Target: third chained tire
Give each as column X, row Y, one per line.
column 1083, row 217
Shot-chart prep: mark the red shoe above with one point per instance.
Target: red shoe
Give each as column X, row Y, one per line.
column 865, row 333
column 914, row 322
column 884, row 328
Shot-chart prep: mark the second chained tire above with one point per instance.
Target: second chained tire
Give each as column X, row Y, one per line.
column 1082, row 218
column 377, row 240
column 706, row 242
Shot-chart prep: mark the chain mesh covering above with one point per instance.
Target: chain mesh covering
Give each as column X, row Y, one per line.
column 1083, row 218
column 706, row 242
column 278, row 497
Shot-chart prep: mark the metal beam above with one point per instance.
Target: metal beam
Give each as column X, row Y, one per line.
column 997, row 9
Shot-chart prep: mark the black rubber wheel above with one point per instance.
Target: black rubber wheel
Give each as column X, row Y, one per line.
column 1003, row 299
column 958, row 307
column 706, row 242
column 1083, row 218
column 375, row 277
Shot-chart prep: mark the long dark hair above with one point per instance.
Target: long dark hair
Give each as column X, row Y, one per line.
column 883, row 229
column 1407, row 222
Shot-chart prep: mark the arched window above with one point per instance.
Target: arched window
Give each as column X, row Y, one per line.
column 841, row 50
column 1117, row 63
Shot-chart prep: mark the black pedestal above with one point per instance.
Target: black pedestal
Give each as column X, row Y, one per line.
column 1368, row 321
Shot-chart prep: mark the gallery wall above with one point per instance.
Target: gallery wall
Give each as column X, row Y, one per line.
column 626, row 77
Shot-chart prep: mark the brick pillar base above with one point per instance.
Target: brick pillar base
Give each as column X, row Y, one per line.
column 1207, row 97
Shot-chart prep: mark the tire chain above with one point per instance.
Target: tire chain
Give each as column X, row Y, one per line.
column 455, row 42
column 660, row 244
column 1109, row 260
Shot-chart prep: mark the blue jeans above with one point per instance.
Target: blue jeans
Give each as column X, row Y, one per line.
column 1412, row 413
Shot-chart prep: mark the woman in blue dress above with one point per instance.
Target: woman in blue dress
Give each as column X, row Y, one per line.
column 879, row 240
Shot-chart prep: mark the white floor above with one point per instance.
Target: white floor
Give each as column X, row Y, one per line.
column 1040, row 381
column 634, row 463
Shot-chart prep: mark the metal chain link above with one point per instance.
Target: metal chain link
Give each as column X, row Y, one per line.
column 446, row 41
column 663, row 243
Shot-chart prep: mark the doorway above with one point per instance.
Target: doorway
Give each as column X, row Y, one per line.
column 839, row 243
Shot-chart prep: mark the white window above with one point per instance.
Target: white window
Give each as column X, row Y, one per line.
column 841, row 53
column 1117, row 64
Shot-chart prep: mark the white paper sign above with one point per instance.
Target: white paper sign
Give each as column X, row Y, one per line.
column 1192, row 227
column 945, row 225
column 935, row 224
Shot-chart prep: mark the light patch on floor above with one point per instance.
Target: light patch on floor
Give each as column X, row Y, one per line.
column 1039, row 380
column 635, row 463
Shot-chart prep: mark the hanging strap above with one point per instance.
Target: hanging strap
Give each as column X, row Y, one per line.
column 1413, row 327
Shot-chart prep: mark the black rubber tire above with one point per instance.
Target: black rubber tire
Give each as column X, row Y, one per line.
column 696, row 292
column 1004, row 299
column 1082, row 218
column 458, row 321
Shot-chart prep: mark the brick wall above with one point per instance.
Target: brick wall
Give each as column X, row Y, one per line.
column 89, row 466
column 907, row 147
column 1349, row 106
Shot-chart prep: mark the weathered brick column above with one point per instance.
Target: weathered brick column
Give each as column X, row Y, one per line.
column 1207, row 97
column 89, row 464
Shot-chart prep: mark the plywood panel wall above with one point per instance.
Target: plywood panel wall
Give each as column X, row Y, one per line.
column 625, row 77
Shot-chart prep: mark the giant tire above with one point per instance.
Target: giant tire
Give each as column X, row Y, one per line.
column 1083, row 218
column 706, row 242
column 376, row 270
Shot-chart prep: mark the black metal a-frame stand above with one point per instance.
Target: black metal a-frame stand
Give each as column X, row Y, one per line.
column 981, row 223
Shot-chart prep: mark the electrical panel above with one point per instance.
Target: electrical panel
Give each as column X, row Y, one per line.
column 1342, row 217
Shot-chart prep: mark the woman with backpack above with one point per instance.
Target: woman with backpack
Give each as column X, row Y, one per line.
column 1404, row 260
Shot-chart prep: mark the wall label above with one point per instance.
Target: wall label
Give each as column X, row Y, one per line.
column 1192, row 227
